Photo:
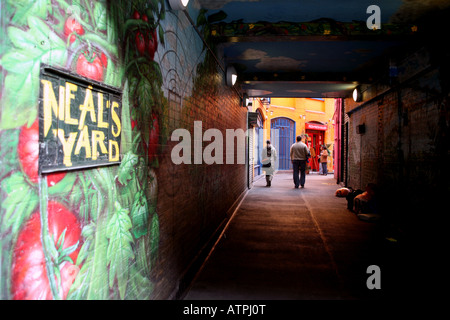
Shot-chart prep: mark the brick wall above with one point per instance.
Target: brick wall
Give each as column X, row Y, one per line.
column 363, row 153
column 195, row 199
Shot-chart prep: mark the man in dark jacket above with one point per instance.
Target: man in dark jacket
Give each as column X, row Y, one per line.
column 299, row 155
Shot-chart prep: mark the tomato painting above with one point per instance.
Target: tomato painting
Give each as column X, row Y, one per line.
column 136, row 15
column 28, row 152
column 146, row 42
column 152, row 44
column 72, row 26
column 104, row 60
column 140, row 43
column 29, row 273
column 90, row 66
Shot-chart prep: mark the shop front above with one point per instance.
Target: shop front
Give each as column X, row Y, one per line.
column 316, row 137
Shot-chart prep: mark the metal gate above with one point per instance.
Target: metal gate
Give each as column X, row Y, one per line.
column 282, row 137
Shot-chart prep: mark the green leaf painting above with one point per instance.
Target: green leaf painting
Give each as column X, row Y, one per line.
column 15, row 209
column 38, row 45
column 139, row 214
column 126, row 169
column 120, row 251
column 26, row 8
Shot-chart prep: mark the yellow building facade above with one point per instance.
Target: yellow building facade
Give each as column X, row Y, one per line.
column 281, row 120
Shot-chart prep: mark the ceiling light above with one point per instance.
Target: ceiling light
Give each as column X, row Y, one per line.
column 178, row 4
column 231, row 76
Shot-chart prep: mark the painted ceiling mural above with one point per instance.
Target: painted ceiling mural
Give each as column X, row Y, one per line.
column 274, row 42
column 297, row 10
column 393, row 11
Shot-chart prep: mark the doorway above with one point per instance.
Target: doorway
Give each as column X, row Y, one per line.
column 282, row 135
column 315, row 141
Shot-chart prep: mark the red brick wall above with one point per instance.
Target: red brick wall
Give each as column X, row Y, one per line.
column 194, row 200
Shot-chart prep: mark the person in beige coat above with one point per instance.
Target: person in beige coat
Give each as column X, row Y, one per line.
column 269, row 161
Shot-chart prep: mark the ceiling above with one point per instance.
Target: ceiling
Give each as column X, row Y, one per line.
column 311, row 48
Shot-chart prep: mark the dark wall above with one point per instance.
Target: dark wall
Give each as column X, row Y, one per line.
column 404, row 149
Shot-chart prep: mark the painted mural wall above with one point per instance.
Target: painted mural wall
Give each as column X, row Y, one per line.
column 125, row 231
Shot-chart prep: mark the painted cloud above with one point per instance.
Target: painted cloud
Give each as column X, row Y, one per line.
column 268, row 63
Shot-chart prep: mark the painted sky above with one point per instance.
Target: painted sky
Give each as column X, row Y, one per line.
column 299, row 10
column 304, row 56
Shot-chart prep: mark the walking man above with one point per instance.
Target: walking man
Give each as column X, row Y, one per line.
column 299, row 155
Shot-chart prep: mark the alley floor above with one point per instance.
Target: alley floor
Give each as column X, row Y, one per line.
column 287, row 244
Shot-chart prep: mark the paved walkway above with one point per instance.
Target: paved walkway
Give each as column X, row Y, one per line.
column 287, row 243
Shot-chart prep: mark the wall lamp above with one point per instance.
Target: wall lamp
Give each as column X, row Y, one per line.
column 178, row 4
column 231, row 76
column 246, row 101
column 357, row 96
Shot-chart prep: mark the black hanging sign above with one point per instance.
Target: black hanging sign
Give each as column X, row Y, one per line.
column 79, row 122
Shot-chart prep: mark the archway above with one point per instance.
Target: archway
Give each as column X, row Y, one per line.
column 282, row 135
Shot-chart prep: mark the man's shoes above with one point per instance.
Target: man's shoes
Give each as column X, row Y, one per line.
column 303, row 186
column 296, row 187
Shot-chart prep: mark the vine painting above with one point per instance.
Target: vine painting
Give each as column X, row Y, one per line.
column 93, row 233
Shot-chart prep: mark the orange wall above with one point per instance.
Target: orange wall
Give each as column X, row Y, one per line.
column 301, row 111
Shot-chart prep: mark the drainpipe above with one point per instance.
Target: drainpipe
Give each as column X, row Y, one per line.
column 400, row 155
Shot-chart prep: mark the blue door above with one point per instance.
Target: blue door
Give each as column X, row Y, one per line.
column 259, row 142
column 282, row 136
